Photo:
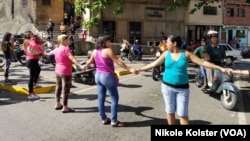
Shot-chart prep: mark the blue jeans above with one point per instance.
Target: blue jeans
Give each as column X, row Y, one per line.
column 203, row 72
column 106, row 82
column 176, row 100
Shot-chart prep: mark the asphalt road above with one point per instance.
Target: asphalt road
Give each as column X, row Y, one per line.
column 140, row 105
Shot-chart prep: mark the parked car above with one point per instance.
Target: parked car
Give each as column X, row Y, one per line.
column 231, row 53
column 246, row 52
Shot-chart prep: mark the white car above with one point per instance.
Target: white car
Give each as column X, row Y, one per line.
column 231, row 53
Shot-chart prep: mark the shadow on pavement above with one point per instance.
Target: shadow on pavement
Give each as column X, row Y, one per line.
column 129, row 85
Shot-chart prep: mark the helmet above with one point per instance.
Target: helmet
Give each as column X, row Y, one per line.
column 212, row 33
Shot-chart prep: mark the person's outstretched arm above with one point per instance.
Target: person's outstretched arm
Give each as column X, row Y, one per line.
column 116, row 60
column 157, row 62
column 242, row 72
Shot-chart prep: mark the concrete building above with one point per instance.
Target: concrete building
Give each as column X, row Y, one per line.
column 141, row 19
column 229, row 17
column 144, row 20
column 236, row 22
column 17, row 16
column 208, row 17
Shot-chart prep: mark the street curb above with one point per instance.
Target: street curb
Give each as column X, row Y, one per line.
column 122, row 72
column 25, row 91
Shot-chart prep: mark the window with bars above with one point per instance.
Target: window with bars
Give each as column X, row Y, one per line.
column 230, row 12
column 109, row 27
column 209, row 10
column 46, row 2
column 241, row 12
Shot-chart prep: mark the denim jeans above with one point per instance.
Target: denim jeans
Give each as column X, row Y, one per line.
column 203, row 72
column 176, row 100
column 106, row 82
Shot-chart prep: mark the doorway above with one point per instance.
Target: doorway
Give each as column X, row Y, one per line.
column 229, row 35
column 134, row 32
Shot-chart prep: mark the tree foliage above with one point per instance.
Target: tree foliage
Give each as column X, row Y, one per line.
column 97, row 6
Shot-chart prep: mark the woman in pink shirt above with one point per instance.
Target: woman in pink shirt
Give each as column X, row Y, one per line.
column 64, row 60
column 32, row 47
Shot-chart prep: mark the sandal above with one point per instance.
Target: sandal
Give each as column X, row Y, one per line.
column 117, row 124
column 106, row 121
column 69, row 111
column 59, row 108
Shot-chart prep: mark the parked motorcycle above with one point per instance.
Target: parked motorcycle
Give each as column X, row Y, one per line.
column 156, row 73
column 224, row 87
column 86, row 77
column 19, row 55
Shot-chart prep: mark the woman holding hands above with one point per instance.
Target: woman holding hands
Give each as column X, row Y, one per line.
column 175, row 82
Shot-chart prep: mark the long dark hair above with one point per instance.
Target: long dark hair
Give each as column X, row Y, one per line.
column 175, row 38
column 6, row 38
column 101, row 40
column 27, row 35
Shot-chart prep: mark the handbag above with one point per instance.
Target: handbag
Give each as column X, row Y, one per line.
column 116, row 76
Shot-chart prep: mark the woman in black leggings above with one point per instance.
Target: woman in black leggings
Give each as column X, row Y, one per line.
column 33, row 50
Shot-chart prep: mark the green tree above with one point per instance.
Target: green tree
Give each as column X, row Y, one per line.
column 97, row 6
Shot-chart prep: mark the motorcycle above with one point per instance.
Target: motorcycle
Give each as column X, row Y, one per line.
column 224, row 86
column 156, row 73
column 132, row 55
column 125, row 53
column 47, row 59
column 18, row 55
column 86, row 77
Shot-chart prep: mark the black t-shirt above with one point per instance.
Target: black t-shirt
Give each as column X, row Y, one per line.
column 217, row 54
column 7, row 52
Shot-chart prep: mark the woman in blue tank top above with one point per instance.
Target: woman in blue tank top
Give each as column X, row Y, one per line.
column 175, row 84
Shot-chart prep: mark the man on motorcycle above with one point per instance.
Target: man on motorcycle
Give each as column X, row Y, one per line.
column 199, row 51
column 137, row 49
column 125, row 46
column 214, row 54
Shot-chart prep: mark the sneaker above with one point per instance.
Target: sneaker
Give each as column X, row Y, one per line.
column 8, row 82
column 36, row 86
column 33, row 97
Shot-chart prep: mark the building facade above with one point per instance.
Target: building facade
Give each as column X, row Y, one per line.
column 229, row 17
column 144, row 20
column 236, row 21
column 208, row 17
column 17, row 16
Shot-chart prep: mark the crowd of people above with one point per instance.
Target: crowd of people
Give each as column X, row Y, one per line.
column 175, row 80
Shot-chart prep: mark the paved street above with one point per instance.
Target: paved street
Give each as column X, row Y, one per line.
column 140, row 105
